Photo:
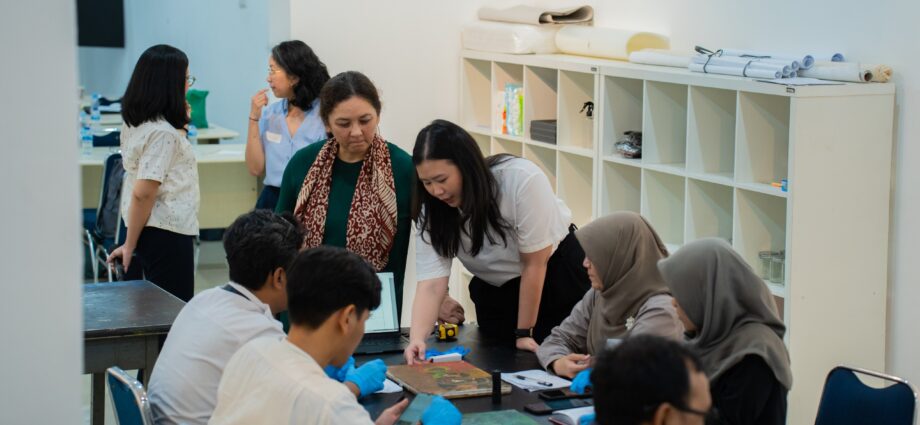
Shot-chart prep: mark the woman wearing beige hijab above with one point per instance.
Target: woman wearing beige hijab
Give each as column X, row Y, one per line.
column 627, row 296
column 735, row 329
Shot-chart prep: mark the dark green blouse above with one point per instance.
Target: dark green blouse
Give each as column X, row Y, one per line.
column 344, row 180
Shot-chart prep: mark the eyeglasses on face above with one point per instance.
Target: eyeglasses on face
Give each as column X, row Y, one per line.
column 190, row 79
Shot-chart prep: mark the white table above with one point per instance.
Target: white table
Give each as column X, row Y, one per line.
column 227, row 188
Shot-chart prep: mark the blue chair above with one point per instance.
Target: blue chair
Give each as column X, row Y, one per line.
column 848, row 401
column 128, row 398
column 108, row 230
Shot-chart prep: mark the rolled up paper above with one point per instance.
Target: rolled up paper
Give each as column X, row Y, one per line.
column 838, row 71
column 607, row 42
column 805, row 61
column 661, row 57
column 736, row 70
column 880, row 73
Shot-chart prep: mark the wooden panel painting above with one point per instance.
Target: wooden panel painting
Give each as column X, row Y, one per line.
column 450, row 379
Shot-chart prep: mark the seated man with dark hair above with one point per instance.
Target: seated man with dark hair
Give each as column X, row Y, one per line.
column 650, row 380
column 330, row 295
column 218, row 321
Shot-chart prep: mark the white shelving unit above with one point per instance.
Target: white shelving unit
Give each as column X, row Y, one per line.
column 711, row 147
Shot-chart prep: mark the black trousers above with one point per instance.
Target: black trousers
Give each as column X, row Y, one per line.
column 565, row 284
column 268, row 198
column 167, row 259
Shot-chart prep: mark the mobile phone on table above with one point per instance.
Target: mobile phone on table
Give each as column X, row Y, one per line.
column 413, row 413
column 563, row 393
column 550, row 406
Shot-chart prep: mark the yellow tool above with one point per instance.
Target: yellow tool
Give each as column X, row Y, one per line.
column 447, row 331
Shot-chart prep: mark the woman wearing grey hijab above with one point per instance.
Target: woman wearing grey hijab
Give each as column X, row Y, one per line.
column 731, row 318
column 628, row 294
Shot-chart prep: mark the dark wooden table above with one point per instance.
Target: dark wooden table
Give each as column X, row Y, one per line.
column 486, row 354
column 122, row 326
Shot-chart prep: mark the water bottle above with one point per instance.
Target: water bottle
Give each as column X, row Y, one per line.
column 96, row 97
column 86, row 140
column 192, row 134
column 95, row 119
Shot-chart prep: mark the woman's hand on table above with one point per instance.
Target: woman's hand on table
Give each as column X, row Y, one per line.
column 527, row 344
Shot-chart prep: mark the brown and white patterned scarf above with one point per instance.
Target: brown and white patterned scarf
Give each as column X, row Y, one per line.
column 371, row 226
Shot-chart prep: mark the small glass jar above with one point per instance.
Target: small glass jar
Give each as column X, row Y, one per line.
column 777, row 267
column 766, row 263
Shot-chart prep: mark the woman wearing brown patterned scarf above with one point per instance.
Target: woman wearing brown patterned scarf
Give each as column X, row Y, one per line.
column 355, row 189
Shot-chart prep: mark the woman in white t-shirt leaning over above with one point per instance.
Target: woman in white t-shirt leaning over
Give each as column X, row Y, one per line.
column 500, row 218
column 160, row 195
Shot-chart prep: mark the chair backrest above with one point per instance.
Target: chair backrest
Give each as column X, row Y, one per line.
column 847, row 400
column 108, row 140
column 128, row 398
column 108, row 216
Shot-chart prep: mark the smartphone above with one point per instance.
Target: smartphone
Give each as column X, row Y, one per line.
column 413, row 413
column 550, row 406
column 563, row 393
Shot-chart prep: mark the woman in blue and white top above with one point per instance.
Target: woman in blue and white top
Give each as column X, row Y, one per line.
column 277, row 131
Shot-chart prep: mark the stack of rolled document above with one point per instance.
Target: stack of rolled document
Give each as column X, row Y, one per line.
column 747, row 63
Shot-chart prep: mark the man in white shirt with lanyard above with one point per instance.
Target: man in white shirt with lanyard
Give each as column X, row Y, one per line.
column 331, row 292
column 259, row 246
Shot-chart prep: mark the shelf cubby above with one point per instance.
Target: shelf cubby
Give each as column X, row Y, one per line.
column 476, row 84
column 540, row 95
column 759, row 225
column 503, row 73
column 575, row 128
column 620, row 188
column 504, row 145
column 574, row 185
column 622, row 110
column 662, row 203
column 762, row 151
column 709, row 210
column 664, row 124
column 711, row 132
column 484, row 143
column 544, row 158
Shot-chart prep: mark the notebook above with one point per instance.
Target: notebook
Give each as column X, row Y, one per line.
column 381, row 331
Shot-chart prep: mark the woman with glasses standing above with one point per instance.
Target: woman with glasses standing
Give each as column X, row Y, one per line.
column 277, row 131
column 160, row 195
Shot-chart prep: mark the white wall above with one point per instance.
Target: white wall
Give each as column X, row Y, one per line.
column 41, row 322
column 227, row 42
column 410, row 51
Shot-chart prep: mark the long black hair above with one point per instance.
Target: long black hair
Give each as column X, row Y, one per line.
column 479, row 202
column 298, row 60
column 157, row 88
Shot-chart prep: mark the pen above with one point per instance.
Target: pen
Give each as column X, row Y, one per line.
column 539, row 382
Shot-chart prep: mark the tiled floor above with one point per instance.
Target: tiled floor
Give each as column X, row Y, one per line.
column 212, row 271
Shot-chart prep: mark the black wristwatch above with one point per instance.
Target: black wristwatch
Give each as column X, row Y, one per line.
column 523, row 333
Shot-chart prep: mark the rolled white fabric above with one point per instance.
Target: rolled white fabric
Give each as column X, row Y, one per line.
column 661, row 57
column 736, row 70
column 607, row 42
column 533, row 15
column 503, row 37
column 838, row 71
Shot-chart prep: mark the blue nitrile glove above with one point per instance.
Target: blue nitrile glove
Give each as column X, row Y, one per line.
column 441, row 412
column 582, row 381
column 463, row 351
column 338, row 373
column 369, row 377
column 586, row 419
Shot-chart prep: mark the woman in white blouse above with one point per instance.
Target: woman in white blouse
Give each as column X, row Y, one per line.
column 500, row 218
column 160, row 192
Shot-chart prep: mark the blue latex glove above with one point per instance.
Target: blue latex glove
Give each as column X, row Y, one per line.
column 463, row 351
column 441, row 412
column 586, row 419
column 338, row 373
column 582, row 381
column 369, row 377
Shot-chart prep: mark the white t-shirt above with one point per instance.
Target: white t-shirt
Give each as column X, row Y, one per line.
column 155, row 150
column 207, row 332
column 271, row 381
column 526, row 201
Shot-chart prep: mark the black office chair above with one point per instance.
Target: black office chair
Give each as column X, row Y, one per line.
column 110, row 139
column 109, row 230
column 848, row 401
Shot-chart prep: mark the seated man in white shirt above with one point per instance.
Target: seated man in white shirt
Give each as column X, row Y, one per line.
column 330, row 294
column 218, row 321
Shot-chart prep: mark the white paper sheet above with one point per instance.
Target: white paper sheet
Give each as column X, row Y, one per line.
column 661, row 57
column 390, row 387
column 533, row 378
